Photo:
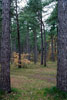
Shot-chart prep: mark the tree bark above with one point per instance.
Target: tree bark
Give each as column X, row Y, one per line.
column 55, row 46
column 18, row 34
column 28, row 42
column 0, row 27
column 35, row 46
column 45, row 48
column 45, row 44
column 0, row 45
column 5, row 47
column 62, row 45
column 52, row 48
column 41, row 42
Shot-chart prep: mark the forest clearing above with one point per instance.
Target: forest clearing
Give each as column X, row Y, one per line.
column 34, row 83
column 30, row 83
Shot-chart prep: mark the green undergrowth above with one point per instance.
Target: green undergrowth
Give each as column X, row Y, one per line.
column 55, row 94
column 14, row 95
column 34, row 83
column 42, row 94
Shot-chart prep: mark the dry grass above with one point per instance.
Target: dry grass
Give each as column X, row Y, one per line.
column 30, row 83
column 33, row 80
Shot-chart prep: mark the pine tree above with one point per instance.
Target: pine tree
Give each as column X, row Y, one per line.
column 62, row 45
column 5, row 47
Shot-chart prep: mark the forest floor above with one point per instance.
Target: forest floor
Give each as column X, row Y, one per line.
column 32, row 83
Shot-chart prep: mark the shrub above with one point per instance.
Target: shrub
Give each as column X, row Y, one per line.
column 24, row 60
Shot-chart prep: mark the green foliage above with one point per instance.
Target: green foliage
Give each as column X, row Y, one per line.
column 55, row 94
column 47, row 2
column 53, row 17
column 52, row 22
column 14, row 95
column 30, row 16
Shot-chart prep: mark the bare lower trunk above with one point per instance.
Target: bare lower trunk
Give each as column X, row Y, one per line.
column 55, row 47
column 41, row 43
column 52, row 49
column 62, row 45
column 28, row 44
column 0, row 29
column 5, row 47
column 45, row 48
column 0, row 46
column 18, row 34
column 35, row 47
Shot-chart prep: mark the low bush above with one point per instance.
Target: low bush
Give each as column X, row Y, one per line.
column 24, row 61
column 55, row 94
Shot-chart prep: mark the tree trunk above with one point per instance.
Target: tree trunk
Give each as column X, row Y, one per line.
column 0, row 27
column 55, row 46
column 0, row 46
column 55, row 49
column 45, row 48
column 5, row 47
column 28, row 44
column 18, row 33
column 35, row 46
column 41, row 42
column 52, row 49
column 62, row 45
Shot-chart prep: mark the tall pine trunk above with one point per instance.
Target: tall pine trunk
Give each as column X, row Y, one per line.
column 41, row 42
column 35, row 46
column 0, row 45
column 28, row 42
column 5, row 47
column 55, row 46
column 62, row 45
column 45, row 48
column 0, row 27
column 52, row 48
column 18, row 34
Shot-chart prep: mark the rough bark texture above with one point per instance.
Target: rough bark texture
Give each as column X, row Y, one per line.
column 62, row 45
column 55, row 47
column 18, row 34
column 45, row 48
column 35, row 47
column 41, row 43
column 52, row 48
column 28, row 42
column 5, row 47
column 0, row 39
column 0, row 46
